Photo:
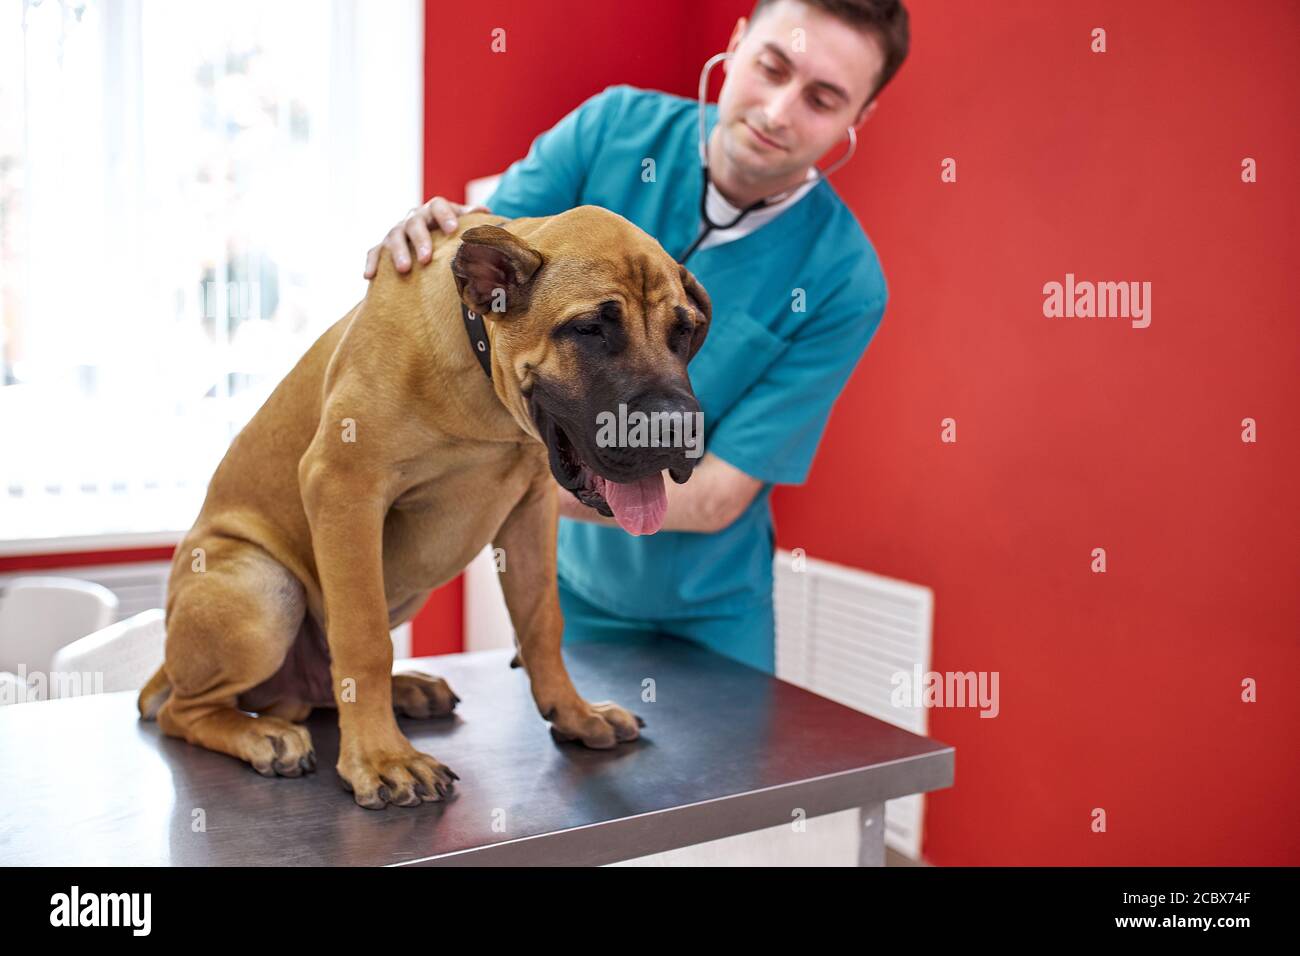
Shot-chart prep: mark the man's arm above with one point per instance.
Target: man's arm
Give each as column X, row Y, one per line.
column 714, row 497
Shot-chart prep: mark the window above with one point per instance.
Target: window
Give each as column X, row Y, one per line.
column 187, row 193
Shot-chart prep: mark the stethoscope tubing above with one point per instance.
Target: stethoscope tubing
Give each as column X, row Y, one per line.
column 708, row 225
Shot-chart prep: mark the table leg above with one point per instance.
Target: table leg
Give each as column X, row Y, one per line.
column 871, row 833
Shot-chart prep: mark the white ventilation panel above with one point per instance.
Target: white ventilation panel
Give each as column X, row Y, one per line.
column 843, row 633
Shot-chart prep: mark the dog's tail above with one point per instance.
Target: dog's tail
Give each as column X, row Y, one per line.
column 154, row 695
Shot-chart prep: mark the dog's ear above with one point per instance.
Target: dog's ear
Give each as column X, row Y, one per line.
column 703, row 308
column 494, row 271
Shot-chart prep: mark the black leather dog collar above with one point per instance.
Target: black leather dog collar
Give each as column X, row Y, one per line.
column 478, row 339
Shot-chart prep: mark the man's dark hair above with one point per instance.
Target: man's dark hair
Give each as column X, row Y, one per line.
column 886, row 20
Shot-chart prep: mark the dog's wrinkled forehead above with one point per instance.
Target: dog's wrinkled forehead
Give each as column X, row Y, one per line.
column 591, row 252
column 638, row 279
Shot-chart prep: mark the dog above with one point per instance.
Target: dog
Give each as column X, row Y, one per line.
column 386, row 460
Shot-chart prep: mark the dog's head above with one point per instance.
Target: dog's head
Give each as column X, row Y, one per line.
column 597, row 324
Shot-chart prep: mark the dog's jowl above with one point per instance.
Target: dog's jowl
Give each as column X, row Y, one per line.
column 387, row 459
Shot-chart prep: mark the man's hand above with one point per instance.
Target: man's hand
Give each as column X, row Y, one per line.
column 414, row 231
column 714, row 497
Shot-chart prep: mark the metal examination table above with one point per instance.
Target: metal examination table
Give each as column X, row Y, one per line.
column 726, row 750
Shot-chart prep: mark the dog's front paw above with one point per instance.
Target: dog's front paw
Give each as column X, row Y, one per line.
column 599, row 726
column 397, row 774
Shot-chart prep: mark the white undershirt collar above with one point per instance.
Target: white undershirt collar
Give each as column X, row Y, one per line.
column 720, row 210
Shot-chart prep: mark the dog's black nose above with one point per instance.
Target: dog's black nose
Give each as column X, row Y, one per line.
column 674, row 414
column 660, row 427
column 668, row 401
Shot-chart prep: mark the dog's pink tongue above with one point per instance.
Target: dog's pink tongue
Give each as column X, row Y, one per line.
column 638, row 506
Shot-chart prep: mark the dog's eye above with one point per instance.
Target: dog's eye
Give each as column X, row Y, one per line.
column 588, row 328
column 679, row 336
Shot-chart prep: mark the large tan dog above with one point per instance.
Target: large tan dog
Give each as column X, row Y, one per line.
column 386, row 460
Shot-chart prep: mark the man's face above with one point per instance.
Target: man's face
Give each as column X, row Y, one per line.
column 796, row 80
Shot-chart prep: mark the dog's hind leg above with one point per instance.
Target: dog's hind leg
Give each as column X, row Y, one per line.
column 417, row 694
column 288, row 708
column 229, row 628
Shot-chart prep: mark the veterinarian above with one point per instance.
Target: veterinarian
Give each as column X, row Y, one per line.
column 732, row 191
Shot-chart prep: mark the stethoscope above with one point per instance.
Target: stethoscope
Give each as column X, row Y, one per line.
column 708, row 224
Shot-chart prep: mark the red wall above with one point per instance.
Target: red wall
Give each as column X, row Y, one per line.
column 1118, row 690
column 82, row 559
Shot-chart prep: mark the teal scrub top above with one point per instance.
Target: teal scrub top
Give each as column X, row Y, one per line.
column 795, row 304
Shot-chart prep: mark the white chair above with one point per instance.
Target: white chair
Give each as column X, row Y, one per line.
column 123, row 656
column 120, row 657
column 39, row 614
